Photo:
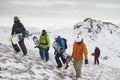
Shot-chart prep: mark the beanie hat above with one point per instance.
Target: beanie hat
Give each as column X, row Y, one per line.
column 43, row 32
column 16, row 18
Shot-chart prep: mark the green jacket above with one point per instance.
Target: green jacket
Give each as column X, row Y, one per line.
column 44, row 41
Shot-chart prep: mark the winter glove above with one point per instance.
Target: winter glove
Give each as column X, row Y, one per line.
column 36, row 47
column 86, row 61
column 47, row 49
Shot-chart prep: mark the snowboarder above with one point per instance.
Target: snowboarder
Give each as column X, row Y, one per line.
column 79, row 48
column 44, row 44
column 96, row 55
column 16, row 29
column 59, row 46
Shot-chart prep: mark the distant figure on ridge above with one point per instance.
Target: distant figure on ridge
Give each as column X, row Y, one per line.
column 96, row 55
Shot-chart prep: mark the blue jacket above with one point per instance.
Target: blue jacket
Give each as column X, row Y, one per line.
column 61, row 42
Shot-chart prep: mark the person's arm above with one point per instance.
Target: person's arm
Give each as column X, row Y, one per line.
column 12, row 30
column 48, row 41
column 39, row 39
column 73, row 49
column 23, row 29
column 85, row 54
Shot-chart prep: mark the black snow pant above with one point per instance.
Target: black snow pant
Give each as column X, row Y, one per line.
column 22, row 46
column 57, row 56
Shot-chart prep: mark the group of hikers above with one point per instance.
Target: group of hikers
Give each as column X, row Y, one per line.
column 79, row 48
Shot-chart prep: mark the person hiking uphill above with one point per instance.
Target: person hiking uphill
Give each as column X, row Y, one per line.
column 44, row 42
column 79, row 49
column 96, row 55
column 59, row 46
column 16, row 29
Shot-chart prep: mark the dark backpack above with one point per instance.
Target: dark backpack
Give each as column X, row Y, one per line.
column 65, row 41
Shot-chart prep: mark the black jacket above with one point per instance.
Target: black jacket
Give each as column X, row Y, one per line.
column 18, row 28
column 97, row 52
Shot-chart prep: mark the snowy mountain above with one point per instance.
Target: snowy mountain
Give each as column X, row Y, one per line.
column 105, row 35
column 95, row 27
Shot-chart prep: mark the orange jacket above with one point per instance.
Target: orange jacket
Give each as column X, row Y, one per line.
column 78, row 50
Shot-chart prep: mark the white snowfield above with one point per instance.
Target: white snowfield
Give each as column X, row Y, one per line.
column 16, row 67
column 95, row 33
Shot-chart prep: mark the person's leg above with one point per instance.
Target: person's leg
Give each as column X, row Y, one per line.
column 23, row 47
column 75, row 66
column 41, row 52
column 95, row 60
column 16, row 48
column 63, row 58
column 46, row 54
column 98, row 60
column 58, row 60
column 79, row 66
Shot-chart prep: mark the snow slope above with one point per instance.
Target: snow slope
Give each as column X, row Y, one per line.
column 95, row 32
column 16, row 67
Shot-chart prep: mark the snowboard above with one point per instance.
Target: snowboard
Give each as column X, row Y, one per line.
column 36, row 41
column 15, row 38
column 57, row 47
column 68, row 59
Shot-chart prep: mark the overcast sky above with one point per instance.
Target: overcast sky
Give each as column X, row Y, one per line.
column 58, row 13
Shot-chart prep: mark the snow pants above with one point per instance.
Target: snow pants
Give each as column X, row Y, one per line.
column 22, row 46
column 57, row 56
column 77, row 66
column 96, row 60
column 44, row 53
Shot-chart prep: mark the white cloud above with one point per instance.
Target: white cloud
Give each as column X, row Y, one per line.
column 108, row 6
column 59, row 11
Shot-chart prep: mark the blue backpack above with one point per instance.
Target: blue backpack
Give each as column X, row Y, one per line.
column 65, row 41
